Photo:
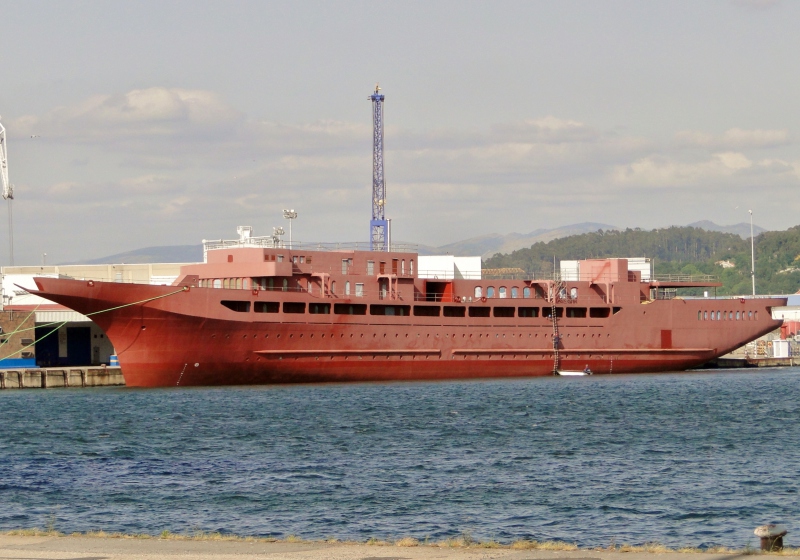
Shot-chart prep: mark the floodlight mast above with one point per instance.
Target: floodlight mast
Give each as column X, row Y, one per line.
column 378, row 224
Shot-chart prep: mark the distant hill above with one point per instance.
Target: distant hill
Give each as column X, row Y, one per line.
column 742, row 229
column 492, row 243
column 484, row 245
column 678, row 250
column 166, row 254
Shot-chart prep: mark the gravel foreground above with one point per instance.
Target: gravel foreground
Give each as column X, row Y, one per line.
column 18, row 547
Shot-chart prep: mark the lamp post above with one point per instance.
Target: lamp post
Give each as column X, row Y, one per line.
column 290, row 215
column 752, row 254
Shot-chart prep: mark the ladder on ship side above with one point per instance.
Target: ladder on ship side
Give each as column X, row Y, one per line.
column 557, row 289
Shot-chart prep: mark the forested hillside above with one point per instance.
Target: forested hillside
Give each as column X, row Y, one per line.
column 684, row 250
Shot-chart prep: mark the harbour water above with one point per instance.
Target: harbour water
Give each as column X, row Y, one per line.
column 691, row 459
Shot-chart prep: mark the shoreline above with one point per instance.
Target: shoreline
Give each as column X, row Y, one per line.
column 121, row 545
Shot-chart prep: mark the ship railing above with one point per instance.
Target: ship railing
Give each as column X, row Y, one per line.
column 686, row 278
column 269, row 242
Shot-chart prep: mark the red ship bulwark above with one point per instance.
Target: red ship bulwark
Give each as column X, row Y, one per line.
column 261, row 314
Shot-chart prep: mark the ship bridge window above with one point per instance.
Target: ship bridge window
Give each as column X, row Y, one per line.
column 573, row 293
column 503, row 311
column 514, row 292
column 411, row 267
column 478, row 292
column 238, row 306
column 217, row 283
column 302, row 259
column 280, row 258
column 548, row 312
column 401, row 310
column 359, row 290
column 294, row 307
column 479, row 311
column 705, row 315
column 576, row 312
column 502, row 292
column 266, row 307
column 347, row 288
column 528, row 312
column 349, row 309
column 737, row 315
column 427, row 310
column 319, row 308
column 603, row 312
column 370, row 268
column 699, row 315
column 526, row 292
column 454, row 311
column 490, row 292
column 294, row 259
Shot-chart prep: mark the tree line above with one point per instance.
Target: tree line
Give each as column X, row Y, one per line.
column 677, row 250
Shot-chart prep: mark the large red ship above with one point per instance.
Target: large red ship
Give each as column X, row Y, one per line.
column 259, row 312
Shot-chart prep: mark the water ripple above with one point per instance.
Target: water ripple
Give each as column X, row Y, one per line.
column 686, row 460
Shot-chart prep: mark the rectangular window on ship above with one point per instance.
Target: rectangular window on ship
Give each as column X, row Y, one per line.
column 266, row 307
column 349, row 309
column 427, row 310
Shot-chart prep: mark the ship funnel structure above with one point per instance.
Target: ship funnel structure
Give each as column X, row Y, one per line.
column 378, row 224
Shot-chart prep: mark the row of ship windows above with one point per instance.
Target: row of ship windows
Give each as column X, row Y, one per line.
column 268, row 284
column 502, row 292
column 418, row 310
column 726, row 315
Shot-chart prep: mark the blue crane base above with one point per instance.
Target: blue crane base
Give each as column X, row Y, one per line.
column 377, row 235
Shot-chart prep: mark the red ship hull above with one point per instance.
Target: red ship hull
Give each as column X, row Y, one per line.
column 182, row 336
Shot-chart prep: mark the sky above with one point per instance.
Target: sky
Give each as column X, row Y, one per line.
column 149, row 123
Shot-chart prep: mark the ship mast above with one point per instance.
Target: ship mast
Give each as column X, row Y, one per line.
column 378, row 223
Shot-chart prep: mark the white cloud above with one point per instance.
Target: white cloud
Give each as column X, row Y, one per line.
column 723, row 168
column 735, row 139
column 142, row 113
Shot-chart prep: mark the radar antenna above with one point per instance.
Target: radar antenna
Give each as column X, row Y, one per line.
column 378, row 223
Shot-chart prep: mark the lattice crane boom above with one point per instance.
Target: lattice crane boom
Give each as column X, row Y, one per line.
column 8, row 189
column 378, row 225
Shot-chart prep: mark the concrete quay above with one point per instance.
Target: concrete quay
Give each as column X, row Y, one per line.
column 48, row 378
column 92, row 548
